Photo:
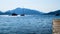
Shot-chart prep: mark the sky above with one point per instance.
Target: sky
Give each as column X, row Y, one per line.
column 40, row 5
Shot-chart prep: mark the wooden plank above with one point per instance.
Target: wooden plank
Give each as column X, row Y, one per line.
column 56, row 26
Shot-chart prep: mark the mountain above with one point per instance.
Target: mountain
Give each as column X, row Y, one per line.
column 23, row 11
column 1, row 13
column 57, row 12
column 8, row 12
column 29, row 12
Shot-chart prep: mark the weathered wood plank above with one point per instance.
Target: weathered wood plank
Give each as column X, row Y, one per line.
column 56, row 26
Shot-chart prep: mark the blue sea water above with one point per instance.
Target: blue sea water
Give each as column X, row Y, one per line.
column 28, row 24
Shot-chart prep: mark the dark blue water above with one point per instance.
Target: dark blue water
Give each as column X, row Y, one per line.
column 26, row 24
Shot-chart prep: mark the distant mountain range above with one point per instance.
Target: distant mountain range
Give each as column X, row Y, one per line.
column 57, row 12
column 28, row 12
column 1, row 12
column 22, row 11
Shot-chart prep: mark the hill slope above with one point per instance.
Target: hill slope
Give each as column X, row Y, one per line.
column 57, row 12
column 28, row 12
column 23, row 11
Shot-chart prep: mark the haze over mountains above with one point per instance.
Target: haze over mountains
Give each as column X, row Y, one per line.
column 27, row 12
